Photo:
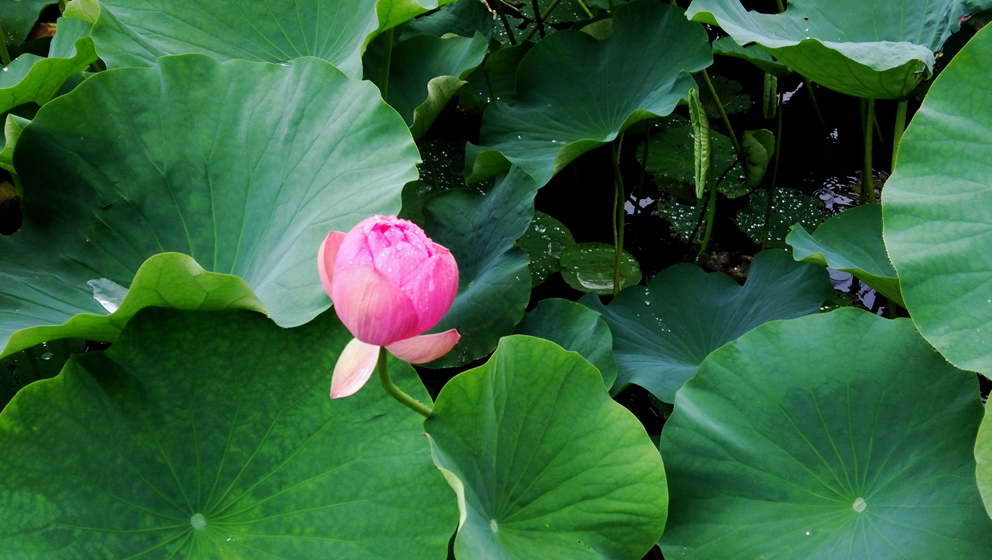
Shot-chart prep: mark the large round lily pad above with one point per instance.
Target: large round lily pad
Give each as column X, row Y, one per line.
column 789, row 444
column 211, row 435
column 850, row 242
column 136, row 33
column 575, row 93
column 546, row 466
column 246, row 172
column 663, row 331
column 879, row 49
column 937, row 210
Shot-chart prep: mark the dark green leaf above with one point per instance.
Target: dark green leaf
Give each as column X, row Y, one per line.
column 591, row 267
column 573, row 327
column 662, row 332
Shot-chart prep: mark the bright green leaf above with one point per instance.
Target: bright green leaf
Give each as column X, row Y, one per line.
column 11, row 132
column 32, row 79
column 573, row 327
column 546, row 466
column 662, row 332
column 879, row 49
column 575, row 93
column 850, row 242
column 190, row 438
column 983, row 458
column 840, row 435
column 936, row 208
column 494, row 281
column 246, row 173
column 165, row 280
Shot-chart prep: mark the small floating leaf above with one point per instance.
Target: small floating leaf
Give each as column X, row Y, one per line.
column 590, row 267
column 544, row 241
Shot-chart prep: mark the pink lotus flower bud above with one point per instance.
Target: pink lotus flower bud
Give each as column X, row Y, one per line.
column 389, row 283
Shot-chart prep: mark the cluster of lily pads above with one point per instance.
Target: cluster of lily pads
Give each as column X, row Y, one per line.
column 176, row 165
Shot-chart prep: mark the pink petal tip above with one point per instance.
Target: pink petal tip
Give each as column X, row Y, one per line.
column 354, row 367
column 424, row 348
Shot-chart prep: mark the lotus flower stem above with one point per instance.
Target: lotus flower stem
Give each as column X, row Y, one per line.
column 386, row 61
column 867, row 184
column 618, row 215
column 900, row 129
column 816, row 106
column 506, row 24
column 397, row 393
column 723, row 116
column 710, row 218
column 778, row 152
column 780, row 6
column 584, row 8
column 4, row 55
column 540, row 19
column 644, row 158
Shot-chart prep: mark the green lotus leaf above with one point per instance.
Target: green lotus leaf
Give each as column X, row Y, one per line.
column 546, row 466
column 190, row 438
column 936, row 209
column 789, row 207
column 671, row 160
column 132, row 33
column 462, row 17
column 565, row 11
column 42, row 361
column 18, row 17
column 878, row 49
column 591, row 267
column 83, row 10
column 245, row 173
column 850, row 242
column 684, row 218
column 788, row 444
column 33, row 79
column 425, row 72
column 498, row 77
column 758, row 147
column 494, row 281
column 544, row 241
column 731, row 95
column 663, row 331
column 574, row 327
column 12, row 128
column 165, row 280
column 575, row 93
column 983, row 457
column 755, row 54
